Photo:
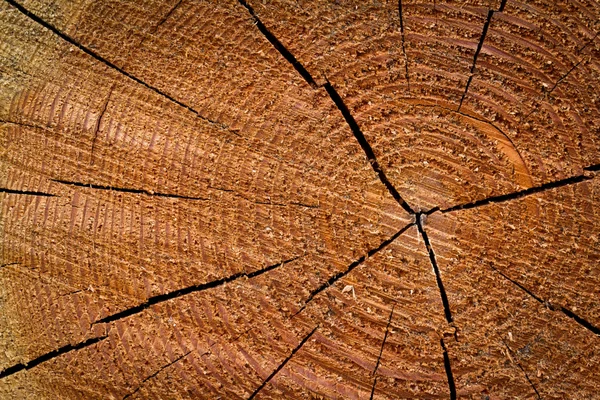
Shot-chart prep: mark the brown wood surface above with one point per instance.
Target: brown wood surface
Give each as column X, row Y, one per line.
column 299, row 199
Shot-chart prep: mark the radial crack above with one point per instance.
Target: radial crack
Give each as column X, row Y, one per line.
column 523, row 193
column 448, row 368
column 521, row 368
column 155, row 373
column 581, row 321
column 49, row 356
column 279, row 46
column 387, row 330
column 26, row 192
column 127, row 190
column 334, row 278
column 187, row 290
column 502, row 5
column 486, row 26
column 360, row 137
column 436, row 270
column 565, row 75
column 403, row 40
column 335, row 97
column 106, row 62
column 593, row 168
column 9, row 264
column 373, row 388
column 280, row 367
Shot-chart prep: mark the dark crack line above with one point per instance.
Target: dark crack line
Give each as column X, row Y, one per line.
column 106, row 62
column 521, row 368
column 403, row 41
column 586, row 324
column 486, row 26
column 158, row 25
column 593, row 168
column 188, row 290
column 581, row 321
column 26, row 192
column 448, row 368
column 335, row 97
column 362, row 141
column 295, row 203
column 334, row 278
column 438, row 275
column 156, row 373
column 523, row 193
column 523, row 288
column 49, row 356
column 588, row 43
column 166, row 17
column 545, row 95
column 98, row 122
column 9, row 264
column 502, row 5
column 279, row 46
column 565, row 75
column 280, row 367
column 387, row 330
column 373, row 388
column 2, row 121
column 127, row 190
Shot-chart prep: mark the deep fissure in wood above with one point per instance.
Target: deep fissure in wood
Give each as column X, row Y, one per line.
column 364, row 144
column 376, row 167
column 593, row 168
column 438, row 275
column 280, row 367
column 279, row 46
column 105, row 61
column 581, row 321
column 486, row 26
column 403, row 41
column 337, row 100
column 26, row 192
column 166, row 17
column 188, row 290
column 448, row 368
column 522, row 193
column 334, row 278
column 373, row 388
column 49, row 356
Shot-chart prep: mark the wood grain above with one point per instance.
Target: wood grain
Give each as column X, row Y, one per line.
column 299, row 199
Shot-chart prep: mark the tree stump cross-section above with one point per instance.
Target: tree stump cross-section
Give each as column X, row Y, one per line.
column 299, row 199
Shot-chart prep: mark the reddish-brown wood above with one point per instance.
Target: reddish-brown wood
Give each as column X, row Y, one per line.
column 294, row 199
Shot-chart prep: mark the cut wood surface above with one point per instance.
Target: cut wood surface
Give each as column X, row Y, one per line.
column 299, row 199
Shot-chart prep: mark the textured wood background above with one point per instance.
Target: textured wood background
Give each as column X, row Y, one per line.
column 299, row 199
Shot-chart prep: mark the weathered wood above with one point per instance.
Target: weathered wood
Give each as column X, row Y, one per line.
column 293, row 199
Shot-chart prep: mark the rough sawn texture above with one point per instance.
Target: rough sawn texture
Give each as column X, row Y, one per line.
column 299, row 199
